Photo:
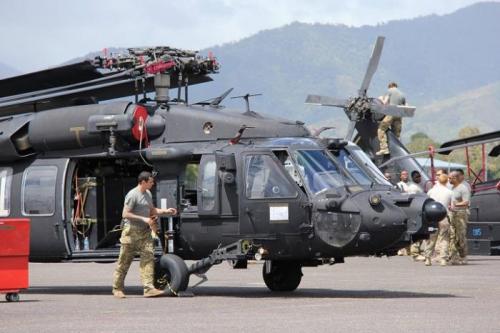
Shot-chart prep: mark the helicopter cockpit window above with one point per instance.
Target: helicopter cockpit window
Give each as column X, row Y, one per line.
column 208, row 186
column 287, row 162
column 369, row 167
column 319, row 170
column 265, row 179
column 5, row 181
column 38, row 180
column 347, row 161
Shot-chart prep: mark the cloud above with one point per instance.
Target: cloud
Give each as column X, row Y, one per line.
column 36, row 34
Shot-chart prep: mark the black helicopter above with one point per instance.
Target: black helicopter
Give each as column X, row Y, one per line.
column 246, row 186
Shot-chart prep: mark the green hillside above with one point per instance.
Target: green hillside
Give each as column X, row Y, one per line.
column 433, row 58
column 442, row 120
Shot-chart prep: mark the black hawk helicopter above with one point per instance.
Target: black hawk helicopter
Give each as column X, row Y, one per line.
column 246, row 186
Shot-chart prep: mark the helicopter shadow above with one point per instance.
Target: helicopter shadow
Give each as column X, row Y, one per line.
column 255, row 292
column 245, row 292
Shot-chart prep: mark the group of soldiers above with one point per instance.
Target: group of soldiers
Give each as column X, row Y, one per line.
column 452, row 191
column 449, row 242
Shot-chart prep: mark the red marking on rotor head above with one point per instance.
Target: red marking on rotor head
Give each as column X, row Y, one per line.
column 159, row 66
column 139, row 119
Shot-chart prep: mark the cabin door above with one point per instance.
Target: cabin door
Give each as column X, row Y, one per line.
column 42, row 196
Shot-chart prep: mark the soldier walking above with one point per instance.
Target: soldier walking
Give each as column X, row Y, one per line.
column 139, row 220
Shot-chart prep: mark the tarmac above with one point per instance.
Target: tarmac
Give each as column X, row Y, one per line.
column 363, row 295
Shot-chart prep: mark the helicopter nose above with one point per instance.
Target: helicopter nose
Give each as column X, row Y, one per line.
column 434, row 211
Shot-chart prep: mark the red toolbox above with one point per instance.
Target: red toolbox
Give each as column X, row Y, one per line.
column 14, row 256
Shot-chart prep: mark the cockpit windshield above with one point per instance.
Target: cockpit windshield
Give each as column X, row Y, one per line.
column 362, row 168
column 319, row 170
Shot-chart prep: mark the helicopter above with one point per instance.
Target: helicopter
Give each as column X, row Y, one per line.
column 246, row 186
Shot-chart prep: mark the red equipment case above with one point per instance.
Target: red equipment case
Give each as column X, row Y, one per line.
column 14, row 256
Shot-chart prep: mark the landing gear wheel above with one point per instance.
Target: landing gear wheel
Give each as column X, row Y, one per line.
column 171, row 274
column 284, row 275
column 12, row 297
column 238, row 264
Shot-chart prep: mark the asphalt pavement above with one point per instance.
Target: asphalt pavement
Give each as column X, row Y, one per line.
column 362, row 295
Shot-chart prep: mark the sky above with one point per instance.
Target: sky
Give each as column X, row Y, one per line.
column 38, row 34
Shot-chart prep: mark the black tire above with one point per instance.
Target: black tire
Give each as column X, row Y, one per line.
column 284, row 275
column 171, row 274
column 238, row 264
column 12, row 297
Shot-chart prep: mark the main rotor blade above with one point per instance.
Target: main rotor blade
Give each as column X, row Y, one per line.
column 326, row 101
column 350, row 130
column 393, row 110
column 372, row 65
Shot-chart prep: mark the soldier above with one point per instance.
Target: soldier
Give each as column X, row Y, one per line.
column 459, row 218
column 394, row 96
column 417, row 248
column 403, row 183
column 416, row 185
column 442, row 194
column 139, row 217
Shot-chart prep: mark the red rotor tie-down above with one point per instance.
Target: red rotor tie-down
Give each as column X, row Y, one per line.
column 159, row 66
column 139, row 131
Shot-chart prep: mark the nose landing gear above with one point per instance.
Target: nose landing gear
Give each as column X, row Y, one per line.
column 282, row 275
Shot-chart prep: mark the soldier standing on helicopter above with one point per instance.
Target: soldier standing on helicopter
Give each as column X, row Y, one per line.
column 394, row 96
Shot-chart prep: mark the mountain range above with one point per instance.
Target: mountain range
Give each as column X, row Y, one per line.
column 448, row 66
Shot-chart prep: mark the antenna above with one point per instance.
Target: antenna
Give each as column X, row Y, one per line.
column 246, row 98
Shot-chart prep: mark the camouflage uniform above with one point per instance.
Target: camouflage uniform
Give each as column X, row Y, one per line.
column 135, row 241
column 417, row 248
column 459, row 220
column 458, row 231
column 392, row 122
column 439, row 239
column 136, row 238
column 394, row 97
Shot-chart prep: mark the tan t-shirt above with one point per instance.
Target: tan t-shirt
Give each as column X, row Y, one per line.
column 139, row 203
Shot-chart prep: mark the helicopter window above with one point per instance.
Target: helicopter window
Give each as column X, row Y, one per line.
column 319, row 170
column 190, row 186
column 289, row 166
column 37, row 180
column 369, row 167
column 208, row 186
column 265, row 179
column 5, row 181
column 353, row 168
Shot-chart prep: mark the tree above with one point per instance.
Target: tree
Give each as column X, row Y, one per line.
column 420, row 142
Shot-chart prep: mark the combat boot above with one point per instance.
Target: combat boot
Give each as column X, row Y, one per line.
column 428, row 262
column 443, row 262
column 153, row 293
column 419, row 258
column 118, row 293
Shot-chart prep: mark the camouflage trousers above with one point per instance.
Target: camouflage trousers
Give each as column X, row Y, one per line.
column 439, row 240
column 135, row 241
column 394, row 123
column 417, row 248
column 458, row 234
